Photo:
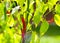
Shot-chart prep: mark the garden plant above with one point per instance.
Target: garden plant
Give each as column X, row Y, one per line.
column 26, row 21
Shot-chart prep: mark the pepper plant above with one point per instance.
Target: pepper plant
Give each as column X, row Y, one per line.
column 26, row 21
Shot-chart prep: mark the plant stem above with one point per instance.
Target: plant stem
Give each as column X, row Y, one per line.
column 5, row 11
column 34, row 7
column 28, row 1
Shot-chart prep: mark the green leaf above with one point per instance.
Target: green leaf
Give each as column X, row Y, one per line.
column 10, row 21
column 57, row 19
column 45, row 1
column 37, row 19
column 31, row 6
column 44, row 27
column 43, row 7
column 20, row 2
column 51, row 3
column 37, row 16
column 57, row 9
column 35, row 38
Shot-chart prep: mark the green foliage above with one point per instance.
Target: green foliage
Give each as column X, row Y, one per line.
column 57, row 19
column 33, row 12
column 51, row 3
column 57, row 9
column 44, row 27
column 37, row 18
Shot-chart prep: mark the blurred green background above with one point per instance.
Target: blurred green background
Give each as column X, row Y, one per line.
column 52, row 35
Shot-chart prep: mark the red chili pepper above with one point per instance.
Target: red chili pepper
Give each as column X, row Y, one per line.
column 24, row 27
